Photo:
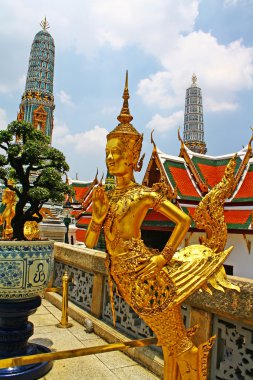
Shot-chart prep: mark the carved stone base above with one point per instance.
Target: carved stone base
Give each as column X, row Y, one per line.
column 15, row 330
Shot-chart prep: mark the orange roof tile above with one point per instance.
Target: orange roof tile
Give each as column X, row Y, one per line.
column 184, row 183
column 154, row 215
column 84, row 219
column 237, row 216
column 246, row 189
column 212, row 174
column 191, row 211
column 80, row 192
column 80, row 234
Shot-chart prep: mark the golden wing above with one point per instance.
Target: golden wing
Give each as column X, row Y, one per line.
column 194, row 267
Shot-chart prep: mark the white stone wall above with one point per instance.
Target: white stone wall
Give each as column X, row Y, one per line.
column 239, row 258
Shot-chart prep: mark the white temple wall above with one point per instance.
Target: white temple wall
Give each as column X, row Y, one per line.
column 240, row 257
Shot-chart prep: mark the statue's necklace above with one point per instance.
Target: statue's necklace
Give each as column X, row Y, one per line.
column 119, row 201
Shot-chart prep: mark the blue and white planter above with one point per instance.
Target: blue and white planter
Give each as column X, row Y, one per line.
column 25, row 268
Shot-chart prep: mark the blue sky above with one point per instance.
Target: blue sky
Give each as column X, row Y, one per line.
column 161, row 42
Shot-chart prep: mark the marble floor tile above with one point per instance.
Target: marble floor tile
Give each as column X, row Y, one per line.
column 135, row 372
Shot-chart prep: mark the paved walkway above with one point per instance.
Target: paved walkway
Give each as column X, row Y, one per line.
column 106, row 366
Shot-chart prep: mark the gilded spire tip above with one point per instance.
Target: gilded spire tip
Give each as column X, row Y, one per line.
column 126, row 81
column 125, row 116
column 44, row 24
column 125, row 128
column 194, row 79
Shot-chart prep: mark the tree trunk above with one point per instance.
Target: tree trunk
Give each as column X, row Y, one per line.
column 18, row 228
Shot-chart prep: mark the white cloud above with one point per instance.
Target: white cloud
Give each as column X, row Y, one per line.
column 84, row 151
column 65, row 98
column 163, row 124
column 213, row 105
column 163, row 29
column 80, row 142
column 223, row 71
column 157, row 90
column 151, row 24
column 3, row 119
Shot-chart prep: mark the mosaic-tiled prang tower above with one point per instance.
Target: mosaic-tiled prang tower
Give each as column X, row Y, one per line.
column 193, row 119
column 37, row 103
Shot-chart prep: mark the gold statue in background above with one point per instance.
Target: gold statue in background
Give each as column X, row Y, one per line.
column 9, row 200
column 156, row 283
column 31, row 228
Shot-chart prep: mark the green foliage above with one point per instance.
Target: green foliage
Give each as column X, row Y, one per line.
column 36, row 167
column 40, row 194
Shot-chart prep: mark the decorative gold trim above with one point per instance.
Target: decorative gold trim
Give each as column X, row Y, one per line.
column 243, row 164
column 248, row 243
column 96, row 227
column 187, row 239
column 168, row 252
column 183, row 153
column 44, row 24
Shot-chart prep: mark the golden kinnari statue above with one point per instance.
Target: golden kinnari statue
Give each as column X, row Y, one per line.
column 9, row 200
column 155, row 283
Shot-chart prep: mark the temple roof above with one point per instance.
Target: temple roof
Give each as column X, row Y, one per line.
column 192, row 175
column 80, row 188
column 189, row 177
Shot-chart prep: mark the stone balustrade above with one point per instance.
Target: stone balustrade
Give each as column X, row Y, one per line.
column 227, row 315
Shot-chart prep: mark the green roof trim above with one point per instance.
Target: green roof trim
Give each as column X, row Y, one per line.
column 83, row 185
column 242, row 226
column 158, row 223
column 236, row 200
column 82, row 225
column 186, row 211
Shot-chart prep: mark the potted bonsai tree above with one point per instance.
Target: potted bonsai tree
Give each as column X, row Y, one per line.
column 32, row 170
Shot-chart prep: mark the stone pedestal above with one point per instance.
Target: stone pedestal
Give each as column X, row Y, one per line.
column 52, row 229
column 15, row 330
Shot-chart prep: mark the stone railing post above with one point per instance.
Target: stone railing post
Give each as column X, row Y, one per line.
column 97, row 295
column 204, row 320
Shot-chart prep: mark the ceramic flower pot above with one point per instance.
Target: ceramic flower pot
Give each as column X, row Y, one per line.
column 25, row 268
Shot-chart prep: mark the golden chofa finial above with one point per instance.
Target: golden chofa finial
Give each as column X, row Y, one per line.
column 194, row 80
column 125, row 117
column 44, row 24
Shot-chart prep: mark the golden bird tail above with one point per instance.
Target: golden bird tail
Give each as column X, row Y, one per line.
column 209, row 215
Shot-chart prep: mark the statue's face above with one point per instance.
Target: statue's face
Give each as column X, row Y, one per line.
column 119, row 161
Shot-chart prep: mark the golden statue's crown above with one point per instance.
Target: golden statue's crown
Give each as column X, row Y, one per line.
column 125, row 128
